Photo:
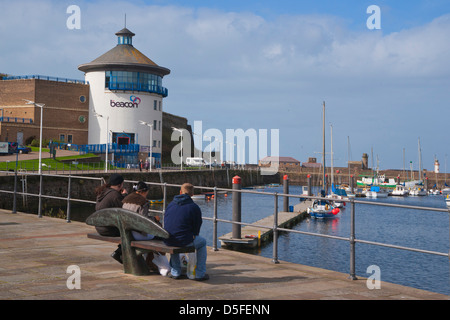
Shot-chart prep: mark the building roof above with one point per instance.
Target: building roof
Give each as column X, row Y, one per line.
column 279, row 159
column 124, row 57
column 311, row 165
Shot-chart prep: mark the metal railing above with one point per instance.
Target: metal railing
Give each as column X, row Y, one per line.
column 141, row 87
column 275, row 228
column 48, row 78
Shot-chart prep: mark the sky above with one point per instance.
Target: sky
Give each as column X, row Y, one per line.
column 269, row 65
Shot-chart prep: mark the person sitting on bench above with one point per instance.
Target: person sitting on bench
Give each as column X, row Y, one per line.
column 183, row 219
column 110, row 195
column 137, row 202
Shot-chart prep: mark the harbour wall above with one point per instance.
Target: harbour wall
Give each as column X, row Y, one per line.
column 83, row 188
column 341, row 176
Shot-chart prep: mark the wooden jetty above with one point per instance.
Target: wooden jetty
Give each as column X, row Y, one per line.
column 253, row 236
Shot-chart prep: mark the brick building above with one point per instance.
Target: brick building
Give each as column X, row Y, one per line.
column 65, row 112
column 283, row 162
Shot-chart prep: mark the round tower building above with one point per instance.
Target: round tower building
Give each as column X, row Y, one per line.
column 126, row 100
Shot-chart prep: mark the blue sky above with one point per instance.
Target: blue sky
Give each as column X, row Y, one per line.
column 268, row 65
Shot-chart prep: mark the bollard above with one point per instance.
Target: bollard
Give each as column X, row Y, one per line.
column 309, row 185
column 236, row 217
column 286, row 191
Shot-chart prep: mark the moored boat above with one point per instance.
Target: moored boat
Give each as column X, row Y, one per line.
column 400, row 191
column 376, row 192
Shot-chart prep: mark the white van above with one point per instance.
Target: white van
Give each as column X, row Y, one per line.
column 195, row 162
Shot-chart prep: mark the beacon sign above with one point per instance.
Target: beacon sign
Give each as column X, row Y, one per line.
column 133, row 103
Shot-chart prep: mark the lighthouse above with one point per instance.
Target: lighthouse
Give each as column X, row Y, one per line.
column 436, row 166
column 126, row 102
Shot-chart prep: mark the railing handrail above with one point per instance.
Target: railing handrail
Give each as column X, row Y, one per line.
column 351, row 239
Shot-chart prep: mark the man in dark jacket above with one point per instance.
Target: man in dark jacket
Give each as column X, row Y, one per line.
column 183, row 219
column 110, row 195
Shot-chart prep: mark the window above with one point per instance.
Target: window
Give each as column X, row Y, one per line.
column 135, row 81
column 82, row 99
column 154, row 125
column 69, row 138
column 159, row 144
column 160, row 106
column 154, row 144
column 159, row 125
column 155, row 104
column 62, row 138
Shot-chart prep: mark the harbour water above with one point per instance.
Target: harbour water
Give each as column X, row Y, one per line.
column 427, row 230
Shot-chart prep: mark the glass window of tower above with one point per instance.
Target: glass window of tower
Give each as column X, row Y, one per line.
column 138, row 81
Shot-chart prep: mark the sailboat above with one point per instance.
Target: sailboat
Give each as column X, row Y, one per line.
column 417, row 189
column 322, row 208
column 377, row 189
column 337, row 194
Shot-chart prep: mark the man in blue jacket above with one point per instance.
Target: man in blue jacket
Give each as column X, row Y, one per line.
column 183, row 219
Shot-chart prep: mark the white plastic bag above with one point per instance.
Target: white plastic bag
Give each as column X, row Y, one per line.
column 184, row 260
column 192, row 264
column 162, row 263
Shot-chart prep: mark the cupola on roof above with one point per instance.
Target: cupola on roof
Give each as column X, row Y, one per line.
column 124, row 57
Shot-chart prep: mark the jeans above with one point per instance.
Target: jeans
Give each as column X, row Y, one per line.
column 200, row 249
column 140, row 237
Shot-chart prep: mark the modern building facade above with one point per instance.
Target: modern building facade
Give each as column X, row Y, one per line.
column 65, row 111
column 126, row 98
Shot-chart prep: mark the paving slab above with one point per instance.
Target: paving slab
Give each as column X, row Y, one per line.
column 35, row 254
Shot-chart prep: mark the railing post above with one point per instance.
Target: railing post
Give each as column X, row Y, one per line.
column 275, row 230
column 68, row 199
column 164, row 202
column 14, row 210
column 40, row 196
column 309, row 185
column 236, row 215
column 286, row 191
column 352, row 275
column 215, row 221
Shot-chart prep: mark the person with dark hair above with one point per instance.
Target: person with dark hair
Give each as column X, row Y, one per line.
column 137, row 202
column 110, row 195
column 183, row 219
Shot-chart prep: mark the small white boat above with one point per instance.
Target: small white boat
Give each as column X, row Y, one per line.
column 336, row 200
column 447, row 200
column 400, row 190
column 198, row 197
column 417, row 191
column 376, row 192
column 434, row 192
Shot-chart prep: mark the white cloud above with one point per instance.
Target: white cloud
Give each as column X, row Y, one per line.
column 253, row 72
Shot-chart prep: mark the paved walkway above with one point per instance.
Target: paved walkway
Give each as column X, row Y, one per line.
column 36, row 252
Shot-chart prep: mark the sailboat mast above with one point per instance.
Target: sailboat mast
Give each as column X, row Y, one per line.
column 348, row 159
column 323, row 147
column 332, row 163
column 420, row 162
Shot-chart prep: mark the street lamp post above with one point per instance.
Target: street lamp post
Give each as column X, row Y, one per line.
column 151, row 140
column 181, row 132
column 40, row 105
column 107, row 137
